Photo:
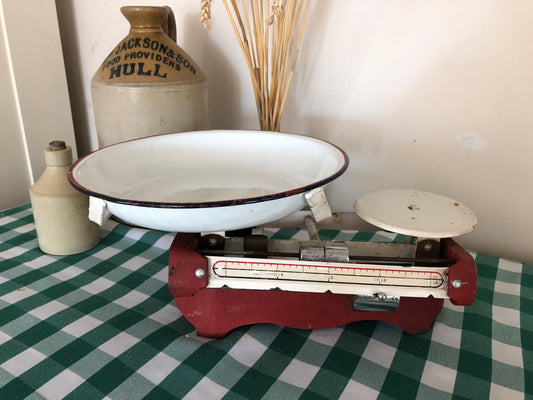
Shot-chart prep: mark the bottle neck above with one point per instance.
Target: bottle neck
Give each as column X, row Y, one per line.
column 58, row 158
column 145, row 31
column 145, row 19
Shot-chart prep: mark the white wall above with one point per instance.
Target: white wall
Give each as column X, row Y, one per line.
column 435, row 95
column 34, row 106
column 14, row 177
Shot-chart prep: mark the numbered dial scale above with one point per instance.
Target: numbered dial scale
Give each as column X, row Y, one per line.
column 220, row 283
column 306, row 275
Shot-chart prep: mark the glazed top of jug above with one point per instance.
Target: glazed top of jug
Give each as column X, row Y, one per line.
column 149, row 53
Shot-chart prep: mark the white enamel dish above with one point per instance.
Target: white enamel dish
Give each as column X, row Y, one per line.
column 208, row 181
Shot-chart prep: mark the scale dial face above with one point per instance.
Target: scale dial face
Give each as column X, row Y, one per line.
column 416, row 213
column 320, row 277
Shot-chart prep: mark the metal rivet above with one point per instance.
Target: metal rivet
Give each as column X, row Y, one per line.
column 212, row 242
column 381, row 296
column 457, row 284
column 428, row 247
column 200, row 273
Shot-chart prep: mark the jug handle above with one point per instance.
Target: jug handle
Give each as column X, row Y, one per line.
column 169, row 26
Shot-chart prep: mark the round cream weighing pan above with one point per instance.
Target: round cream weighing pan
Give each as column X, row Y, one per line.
column 208, row 181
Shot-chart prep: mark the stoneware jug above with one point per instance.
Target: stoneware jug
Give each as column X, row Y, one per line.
column 148, row 85
column 61, row 212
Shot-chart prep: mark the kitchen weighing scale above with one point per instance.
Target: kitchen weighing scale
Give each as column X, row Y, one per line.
column 206, row 185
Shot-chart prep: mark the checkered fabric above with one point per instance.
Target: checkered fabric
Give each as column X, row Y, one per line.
column 102, row 325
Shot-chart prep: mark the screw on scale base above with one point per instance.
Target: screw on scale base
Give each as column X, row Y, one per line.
column 457, row 284
column 199, row 273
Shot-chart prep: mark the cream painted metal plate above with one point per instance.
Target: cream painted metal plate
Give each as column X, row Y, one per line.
column 416, row 213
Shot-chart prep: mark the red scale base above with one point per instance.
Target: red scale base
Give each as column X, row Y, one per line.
column 215, row 312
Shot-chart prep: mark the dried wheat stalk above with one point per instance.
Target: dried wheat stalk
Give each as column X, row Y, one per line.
column 205, row 13
column 269, row 33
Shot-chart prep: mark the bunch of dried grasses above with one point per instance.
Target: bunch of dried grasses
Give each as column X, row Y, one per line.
column 269, row 33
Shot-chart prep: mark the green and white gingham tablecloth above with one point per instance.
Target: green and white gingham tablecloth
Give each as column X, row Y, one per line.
column 102, row 325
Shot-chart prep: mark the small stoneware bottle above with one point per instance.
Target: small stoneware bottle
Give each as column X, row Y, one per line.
column 60, row 211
